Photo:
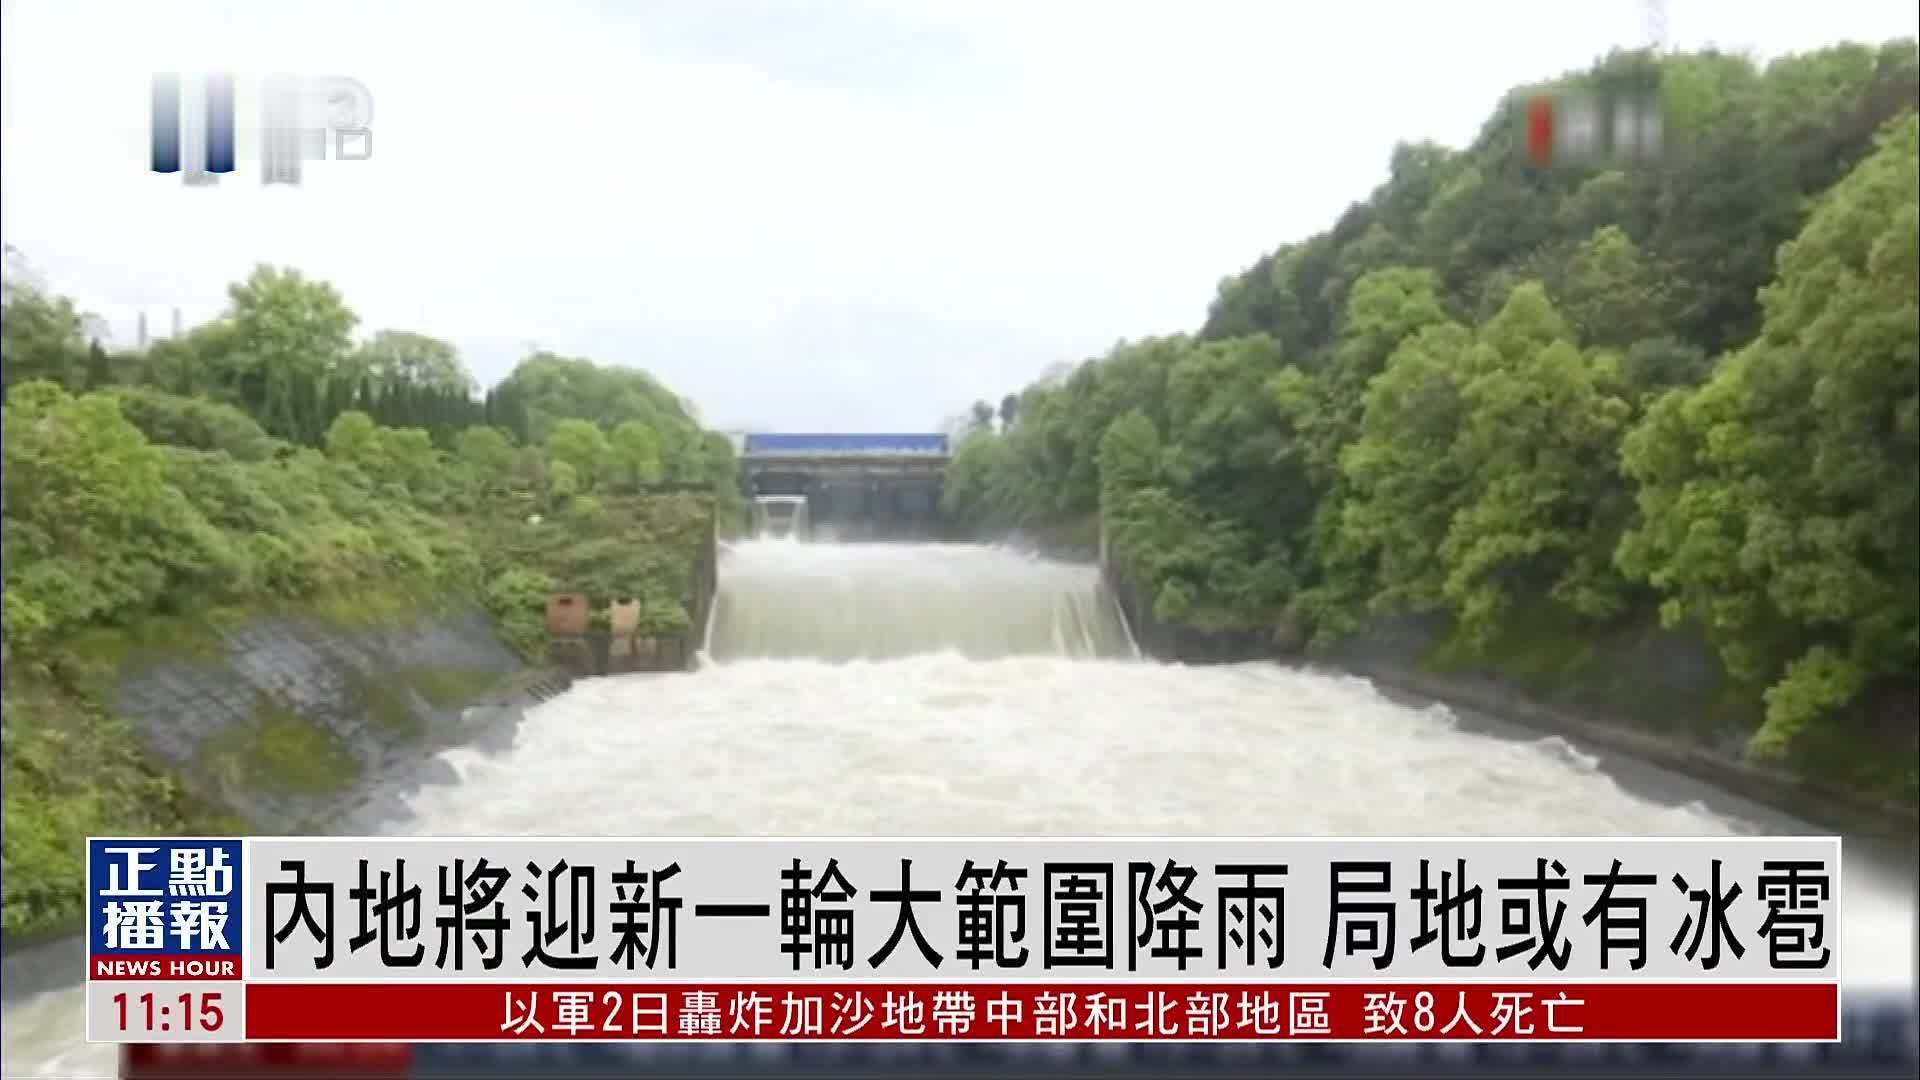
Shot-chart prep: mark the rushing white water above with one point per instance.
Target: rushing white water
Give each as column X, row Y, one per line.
column 1056, row 734
column 791, row 600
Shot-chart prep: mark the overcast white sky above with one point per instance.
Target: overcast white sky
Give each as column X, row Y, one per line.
column 839, row 215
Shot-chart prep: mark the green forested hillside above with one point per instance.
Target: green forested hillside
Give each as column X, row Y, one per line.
column 1552, row 402
column 265, row 460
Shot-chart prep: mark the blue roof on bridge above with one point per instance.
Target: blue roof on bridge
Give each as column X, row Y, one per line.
column 846, row 444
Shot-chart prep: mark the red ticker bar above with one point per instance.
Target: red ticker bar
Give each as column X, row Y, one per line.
column 931, row 1012
column 168, row 1061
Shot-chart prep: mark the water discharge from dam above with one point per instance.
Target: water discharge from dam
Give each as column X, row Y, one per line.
column 837, row 602
column 953, row 689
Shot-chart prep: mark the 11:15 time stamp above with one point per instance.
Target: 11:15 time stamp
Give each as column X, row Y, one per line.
column 165, row 1010
column 193, row 1010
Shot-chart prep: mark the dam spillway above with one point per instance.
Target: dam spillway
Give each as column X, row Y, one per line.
column 779, row 599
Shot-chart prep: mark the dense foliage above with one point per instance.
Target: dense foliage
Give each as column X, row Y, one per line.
column 1572, row 397
column 266, row 459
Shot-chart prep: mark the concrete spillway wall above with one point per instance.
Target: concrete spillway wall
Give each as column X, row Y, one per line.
column 290, row 719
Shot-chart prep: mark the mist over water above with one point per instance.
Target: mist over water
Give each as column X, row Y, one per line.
column 954, row 689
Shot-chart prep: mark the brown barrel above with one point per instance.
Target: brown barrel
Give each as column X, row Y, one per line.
column 567, row 614
column 623, row 618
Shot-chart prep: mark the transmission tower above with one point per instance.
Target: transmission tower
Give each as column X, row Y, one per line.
column 1655, row 12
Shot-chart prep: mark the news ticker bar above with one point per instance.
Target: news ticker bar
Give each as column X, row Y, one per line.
column 1880, row 1036
column 970, row 1012
column 375, row 910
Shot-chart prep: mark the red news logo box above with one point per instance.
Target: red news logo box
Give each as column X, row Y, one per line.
column 171, row 967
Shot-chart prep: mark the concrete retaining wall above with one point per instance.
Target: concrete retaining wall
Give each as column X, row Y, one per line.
column 292, row 718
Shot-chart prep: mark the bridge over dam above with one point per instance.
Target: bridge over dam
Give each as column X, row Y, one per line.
column 846, row 486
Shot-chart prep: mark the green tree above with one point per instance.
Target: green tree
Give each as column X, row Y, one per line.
column 582, row 447
column 1544, row 502
column 41, row 338
column 142, row 501
column 488, row 455
column 545, row 389
column 80, row 478
column 412, row 462
column 293, row 334
column 400, row 356
column 1605, row 200
column 563, row 484
column 634, row 454
column 194, row 423
column 1223, row 437
column 1336, row 442
column 1656, row 365
column 967, row 490
column 99, row 367
column 206, row 361
column 1403, row 479
column 1129, row 457
column 1609, row 296
column 1385, row 308
column 355, row 439
column 1778, row 502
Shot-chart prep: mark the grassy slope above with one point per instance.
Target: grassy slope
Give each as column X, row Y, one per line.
column 72, row 768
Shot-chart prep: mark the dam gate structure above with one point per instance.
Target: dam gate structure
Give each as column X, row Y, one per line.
column 848, row 487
